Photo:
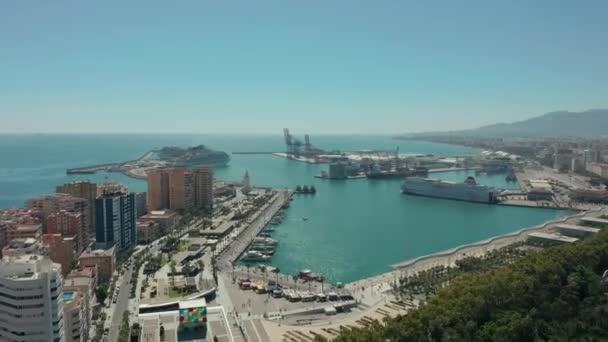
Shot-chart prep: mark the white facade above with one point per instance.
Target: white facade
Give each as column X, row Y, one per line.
column 31, row 299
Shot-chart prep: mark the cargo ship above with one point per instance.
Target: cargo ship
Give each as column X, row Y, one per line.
column 468, row 191
column 193, row 156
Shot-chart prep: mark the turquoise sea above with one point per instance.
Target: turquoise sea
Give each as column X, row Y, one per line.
column 354, row 228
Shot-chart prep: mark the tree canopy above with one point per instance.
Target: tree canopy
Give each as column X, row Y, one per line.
column 556, row 294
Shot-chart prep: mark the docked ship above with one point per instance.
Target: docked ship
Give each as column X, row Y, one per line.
column 253, row 255
column 193, row 156
column 469, row 190
column 399, row 173
column 265, row 241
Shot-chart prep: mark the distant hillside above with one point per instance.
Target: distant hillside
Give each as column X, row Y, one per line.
column 590, row 123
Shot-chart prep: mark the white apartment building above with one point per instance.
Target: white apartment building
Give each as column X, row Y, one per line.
column 31, row 299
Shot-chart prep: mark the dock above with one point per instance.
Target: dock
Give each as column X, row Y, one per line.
column 255, row 152
column 91, row 169
column 255, row 225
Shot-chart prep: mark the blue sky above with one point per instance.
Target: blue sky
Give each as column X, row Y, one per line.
column 341, row 66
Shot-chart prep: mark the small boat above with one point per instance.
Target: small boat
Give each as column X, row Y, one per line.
column 264, row 234
column 269, row 230
column 265, row 241
column 263, row 248
column 252, row 255
column 304, row 218
column 308, row 275
column 267, row 252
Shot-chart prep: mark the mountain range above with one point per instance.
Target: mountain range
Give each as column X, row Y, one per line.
column 590, row 123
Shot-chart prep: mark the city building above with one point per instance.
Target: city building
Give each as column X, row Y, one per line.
column 115, row 221
column 68, row 224
column 62, row 250
column 202, row 187
column 180, row 189
column 23, row 230
column 13, row 216
column 88, row 191
column 50, row 204
column 167, row 189
column 590, row 157
column 158, row 189
column 32, row 299
column 75, row 326
column 141, row 207
column 600, row 169
column 104, row 260
column 166, row 219
column 246, row 183
column 147, row 231
column 83, row 282
column 23, row 246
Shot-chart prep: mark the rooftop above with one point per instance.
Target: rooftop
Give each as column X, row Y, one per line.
column 98, row 252
column 554, row 237
column 594, row 220
column 579, row 228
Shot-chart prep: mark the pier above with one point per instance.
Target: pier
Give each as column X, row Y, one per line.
column 232, row 250
column 254, row 152
column 91, row 169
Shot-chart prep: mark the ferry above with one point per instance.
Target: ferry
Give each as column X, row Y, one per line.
column 469, row 190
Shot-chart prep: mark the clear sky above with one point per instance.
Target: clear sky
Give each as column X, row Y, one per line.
column 324, row 66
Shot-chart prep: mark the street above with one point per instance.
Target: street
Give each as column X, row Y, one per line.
column 117, row 310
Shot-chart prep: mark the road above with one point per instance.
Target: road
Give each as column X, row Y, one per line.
column 121, row 305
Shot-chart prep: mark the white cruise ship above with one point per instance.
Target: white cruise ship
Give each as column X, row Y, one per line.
column 469, row 190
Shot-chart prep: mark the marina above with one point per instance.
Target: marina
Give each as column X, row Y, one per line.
column 328, row 241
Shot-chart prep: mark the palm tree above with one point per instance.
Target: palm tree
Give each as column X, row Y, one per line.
column 295, row 279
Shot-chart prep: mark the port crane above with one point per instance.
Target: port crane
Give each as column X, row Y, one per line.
column 297, row 148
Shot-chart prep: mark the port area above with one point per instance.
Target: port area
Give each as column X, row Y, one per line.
column 360, row 175
column 132, row 168
column 375, row 297
column 543, row 187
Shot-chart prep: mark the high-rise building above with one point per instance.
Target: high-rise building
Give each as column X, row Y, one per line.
column 68, row 224
column 202, row 187
column 167, row 189
column 115, row 221
column 141, row 204
column 32, row 304
column 589, row 157
column 180, row 189
column 88, row 191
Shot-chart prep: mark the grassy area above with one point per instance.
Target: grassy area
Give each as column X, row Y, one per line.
column 183, row 245
column 174, row 293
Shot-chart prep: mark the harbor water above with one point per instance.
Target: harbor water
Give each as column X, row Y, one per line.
column 346, row 231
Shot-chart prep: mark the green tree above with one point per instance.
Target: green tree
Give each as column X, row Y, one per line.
column 102, row 292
